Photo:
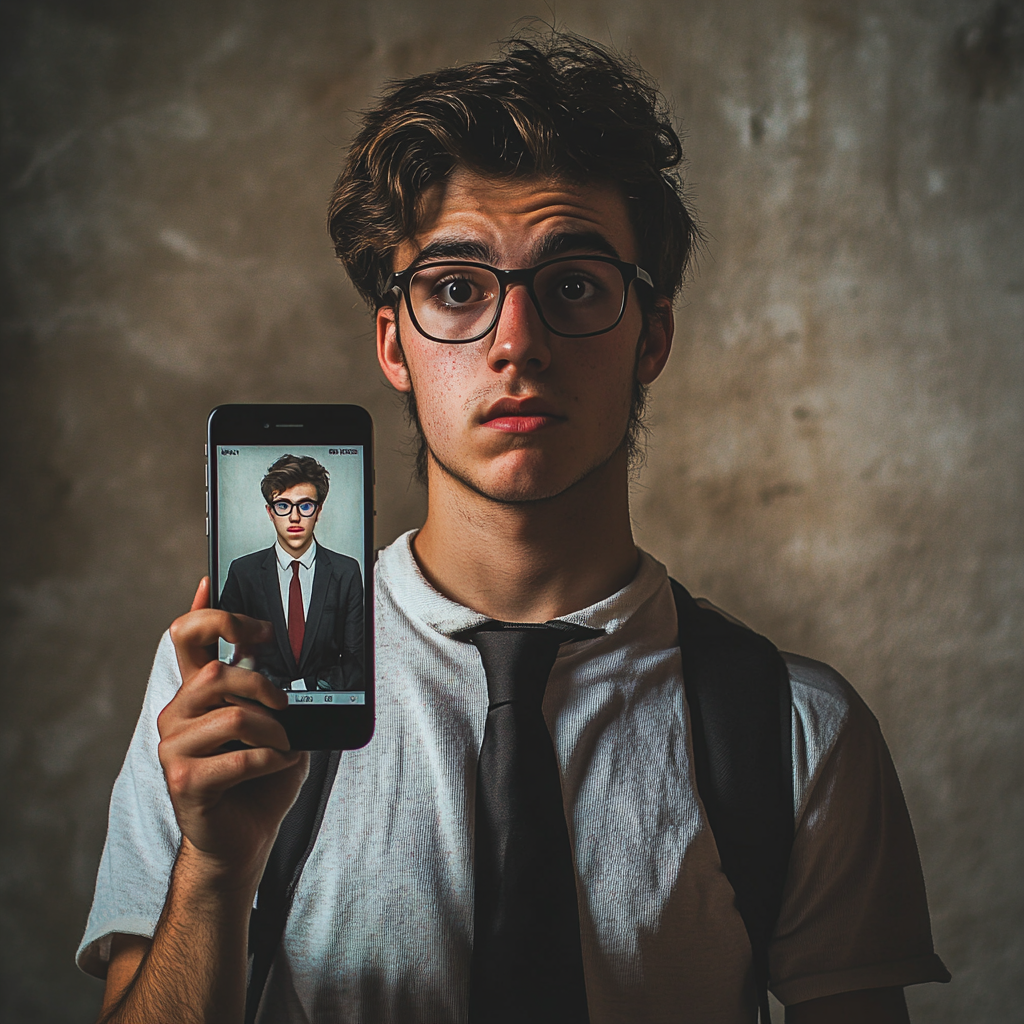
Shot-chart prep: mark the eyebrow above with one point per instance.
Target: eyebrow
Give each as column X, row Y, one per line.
column 454, row 249
column 574, row 241
column 556, row 244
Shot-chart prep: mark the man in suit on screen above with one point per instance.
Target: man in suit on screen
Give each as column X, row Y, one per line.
column 313, row 596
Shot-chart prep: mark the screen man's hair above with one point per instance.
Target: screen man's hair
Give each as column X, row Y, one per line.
column 290, row 470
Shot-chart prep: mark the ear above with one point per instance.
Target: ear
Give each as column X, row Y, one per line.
column 657, row 342
column 389, row 350
column 270, row 513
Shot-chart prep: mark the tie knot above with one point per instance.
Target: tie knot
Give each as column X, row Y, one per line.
column 518, row 657
column 295, row 566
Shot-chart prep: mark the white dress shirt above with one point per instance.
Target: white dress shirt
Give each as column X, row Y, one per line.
column 284, row 576
column 381, row 928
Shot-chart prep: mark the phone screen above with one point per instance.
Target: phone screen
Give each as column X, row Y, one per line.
column 289, row 545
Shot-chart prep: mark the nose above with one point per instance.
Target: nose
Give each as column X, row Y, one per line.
column 293, row 516
column 520, row 338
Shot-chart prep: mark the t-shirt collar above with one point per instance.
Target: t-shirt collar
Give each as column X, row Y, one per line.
column 418, row 598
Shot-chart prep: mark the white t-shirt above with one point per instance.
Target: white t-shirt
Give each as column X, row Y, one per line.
column 381, row 927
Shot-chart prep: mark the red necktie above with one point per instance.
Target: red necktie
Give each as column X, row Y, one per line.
column 296, row 617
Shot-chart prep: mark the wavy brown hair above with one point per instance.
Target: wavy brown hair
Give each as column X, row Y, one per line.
column 556, row 106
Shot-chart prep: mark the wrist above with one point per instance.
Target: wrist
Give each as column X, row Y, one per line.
column 231, row 881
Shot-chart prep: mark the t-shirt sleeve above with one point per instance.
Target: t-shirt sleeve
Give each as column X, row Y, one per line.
column 142, row 834
column 854, row 913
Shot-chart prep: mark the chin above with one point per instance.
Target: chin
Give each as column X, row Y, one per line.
column 520, row 491
column 519, row 478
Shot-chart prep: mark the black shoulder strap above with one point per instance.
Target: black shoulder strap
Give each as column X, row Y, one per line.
column 288, row 857
column 737, row 692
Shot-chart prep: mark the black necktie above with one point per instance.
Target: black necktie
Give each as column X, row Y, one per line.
column 527, row 964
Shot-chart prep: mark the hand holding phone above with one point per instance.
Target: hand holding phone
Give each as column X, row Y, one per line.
column 218, row 732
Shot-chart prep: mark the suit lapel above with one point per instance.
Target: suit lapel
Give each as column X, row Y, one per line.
column 322, row 569
column 272, row 592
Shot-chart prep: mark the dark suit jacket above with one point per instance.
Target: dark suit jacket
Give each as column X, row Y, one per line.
column 332, row 646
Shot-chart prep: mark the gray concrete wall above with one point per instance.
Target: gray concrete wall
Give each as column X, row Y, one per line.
column 836, row 452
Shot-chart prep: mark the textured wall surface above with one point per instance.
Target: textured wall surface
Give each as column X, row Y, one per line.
column 837, row 443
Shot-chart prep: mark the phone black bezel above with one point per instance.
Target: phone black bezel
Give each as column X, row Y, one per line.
column 319, row 727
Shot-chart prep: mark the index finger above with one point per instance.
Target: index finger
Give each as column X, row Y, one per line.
column 193, row 632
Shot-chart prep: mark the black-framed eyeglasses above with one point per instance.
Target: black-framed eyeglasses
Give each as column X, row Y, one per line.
column 456, row 302
column 283, row 507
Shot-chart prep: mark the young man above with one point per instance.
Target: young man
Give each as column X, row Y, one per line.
column 518, row 228
column 313, row 597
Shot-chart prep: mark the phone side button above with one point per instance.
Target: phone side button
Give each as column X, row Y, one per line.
column 207, row 526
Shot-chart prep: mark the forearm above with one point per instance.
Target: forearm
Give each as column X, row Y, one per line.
column 195, row 969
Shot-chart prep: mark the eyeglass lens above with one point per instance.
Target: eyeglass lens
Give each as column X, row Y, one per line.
column 575, row 297
column 284, row 507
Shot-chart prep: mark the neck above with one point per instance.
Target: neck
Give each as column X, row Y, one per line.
column 295, row 553
column 529, row 561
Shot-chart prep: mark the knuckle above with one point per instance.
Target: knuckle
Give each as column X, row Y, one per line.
column 177, row 773
column 262, row 758
column 211, row 673
column 175, row 629
column 235, row 718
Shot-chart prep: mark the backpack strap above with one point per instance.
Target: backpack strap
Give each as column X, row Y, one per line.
column 738, row 696
column 288, row 857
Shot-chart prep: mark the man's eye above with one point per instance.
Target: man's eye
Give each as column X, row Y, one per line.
column 306, row 507
column 456, row 292
column 575, row 289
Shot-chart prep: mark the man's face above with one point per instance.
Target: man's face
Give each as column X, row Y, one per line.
column 295, row 531
column 523, row 414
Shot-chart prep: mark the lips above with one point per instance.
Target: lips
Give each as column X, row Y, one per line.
column 520, row 415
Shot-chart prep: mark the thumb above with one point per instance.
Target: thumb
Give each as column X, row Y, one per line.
column 202, row 598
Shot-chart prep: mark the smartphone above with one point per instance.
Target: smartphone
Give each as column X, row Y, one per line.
column 290, row 522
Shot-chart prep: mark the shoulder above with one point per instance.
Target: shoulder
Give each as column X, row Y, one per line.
column 342, row 564
column 251, row 561
column 833, row 729
column 822, row 697
column 829, row 718
column 821, row 691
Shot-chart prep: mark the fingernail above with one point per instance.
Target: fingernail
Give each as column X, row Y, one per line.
column 248, row 662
